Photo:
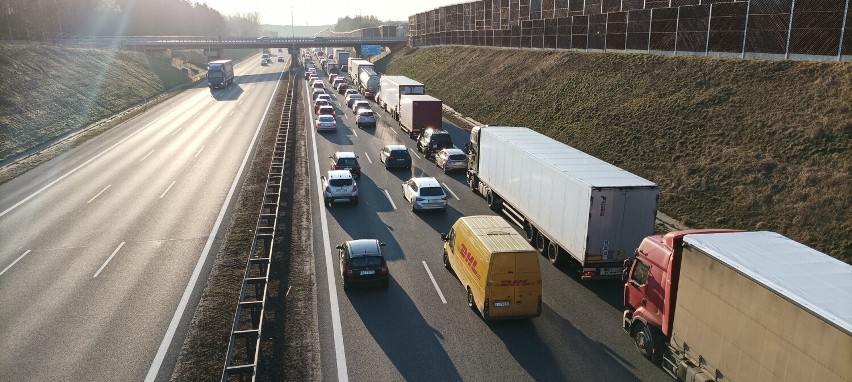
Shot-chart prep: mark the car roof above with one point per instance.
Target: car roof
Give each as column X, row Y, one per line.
column 339, row 174
column 326, row 107
column 363, row 101
column 364, row 111
column 426, row 182
column 453, row 151
column 396, row 147
column 345, row 154
column 362, row 247
column 326, row 116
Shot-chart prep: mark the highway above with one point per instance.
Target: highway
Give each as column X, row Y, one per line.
column 105, row 249
column 421, row 329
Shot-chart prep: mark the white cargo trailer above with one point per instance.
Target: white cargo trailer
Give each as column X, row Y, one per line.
column 391, row 88
column 571, row 205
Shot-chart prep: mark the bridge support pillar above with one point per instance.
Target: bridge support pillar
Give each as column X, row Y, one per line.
column 212, row 54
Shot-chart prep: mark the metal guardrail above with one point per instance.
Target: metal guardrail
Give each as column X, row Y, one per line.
column 241, row 361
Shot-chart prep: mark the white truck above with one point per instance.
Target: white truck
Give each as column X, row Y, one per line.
column 571, row 205
column 364, row 77
column 392, row 88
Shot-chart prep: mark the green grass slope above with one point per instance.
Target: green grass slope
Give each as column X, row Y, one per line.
column 757, row 145
column 47, row 92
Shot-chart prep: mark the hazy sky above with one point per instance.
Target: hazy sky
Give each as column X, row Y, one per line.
column 324, row 12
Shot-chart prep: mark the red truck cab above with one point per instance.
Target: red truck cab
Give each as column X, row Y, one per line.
column 650, row 290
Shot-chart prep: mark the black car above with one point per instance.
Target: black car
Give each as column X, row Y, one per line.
column 362, row 263
column 432, row 140
column 395, row 156
column 346, row 160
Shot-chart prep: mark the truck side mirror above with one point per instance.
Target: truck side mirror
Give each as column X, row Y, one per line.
column 340, row 247
column 444, row 236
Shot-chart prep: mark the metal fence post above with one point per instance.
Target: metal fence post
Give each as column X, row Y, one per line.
column 790, row 30
column 745, row 28
column 626, row 26
column 707, row 40
column 677, row 28
column 842, row 31
column 650, row 29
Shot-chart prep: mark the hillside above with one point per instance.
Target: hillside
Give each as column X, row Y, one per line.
column 758, row 145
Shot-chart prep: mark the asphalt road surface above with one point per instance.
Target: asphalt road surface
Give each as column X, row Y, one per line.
column 421, row 329
column 104, row 249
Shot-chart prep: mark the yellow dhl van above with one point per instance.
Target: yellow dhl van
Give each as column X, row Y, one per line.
column 497, row 267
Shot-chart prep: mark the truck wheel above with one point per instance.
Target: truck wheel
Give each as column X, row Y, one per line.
column 470, row 302
column 648, row 342
column 541, row 242
column 472, row 182
column 529, row 230
column 553, row 253
column 447, row 262
column 494, row 201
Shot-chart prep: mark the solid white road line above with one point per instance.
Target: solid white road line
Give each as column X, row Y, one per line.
column 232, row 113
column 167, row 189
column 13, row 263
column 353, row 131
column 99, row 193
column 34, row 194
column 446, row 187
column 435, row 283
column 368, row 157
column 190, row 286
column 340, row 353
column 202, row 149
column 415, row 153
column 196, row 115
column 108, row 259
column 146, row 155
column 217, row 129
column 387, row 195
column 176, row 131
column 241, row 102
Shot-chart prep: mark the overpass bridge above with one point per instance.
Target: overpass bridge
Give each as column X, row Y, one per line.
column 215, row 43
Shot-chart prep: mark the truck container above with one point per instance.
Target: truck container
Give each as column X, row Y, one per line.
column 341, row 56
column 710, row 305
column 331, row 67
column 364, row 77
column 574, row 208
column 391, row 88
column 220, row 73
column 420, row 112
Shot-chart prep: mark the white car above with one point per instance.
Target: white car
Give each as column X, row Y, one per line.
column 339, row 186
column 326, row 97
column 451, row 159
column 326, row 123
column 424, row 194
column 360, row 105
column 351, row 98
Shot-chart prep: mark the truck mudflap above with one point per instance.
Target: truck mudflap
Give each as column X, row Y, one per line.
column 607, row 270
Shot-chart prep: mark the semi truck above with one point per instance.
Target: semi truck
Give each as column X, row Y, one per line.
column 364, row 77
column 331, row 67
column 341, row 56
column 418, row 113
column 220, row 73
column 575, row 209
column 391, row 88
column 723, row 305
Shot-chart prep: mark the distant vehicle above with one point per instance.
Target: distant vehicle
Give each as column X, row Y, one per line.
column 346, row 160
column 339, row 186
column 364, row 76
column 220, row 73
column 318, row 84
column 350, row 91
column 331, row 78
column 341, row 56
column 351, row 98
column 395, row 156
column 320, row 102
column 326, row 123
column 317, row 92
column 280, row 58
column 365, row 118
column 337, row 81
column 424, row 194
column 419, row 112
column 264, row 62
column 496, row 266
column 363, row 263
column 332, row 68
column 360, row 105
column 433, row 140
column 320, row 39
column 342, row 87
column 451, row 159
column 326, row 97
column 326, row 110
column 392, row 88
column 266, row 57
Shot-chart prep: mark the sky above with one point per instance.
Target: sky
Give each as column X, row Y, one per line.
column 325, row 12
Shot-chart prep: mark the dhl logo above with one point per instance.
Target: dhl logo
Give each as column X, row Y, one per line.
column 469, row 259
column 507, row 283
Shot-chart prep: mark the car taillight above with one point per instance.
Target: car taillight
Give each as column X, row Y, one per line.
column 358, row 167
column 349, row 273
column 336, row 167
column 354, row 188
column 588, row 273
column 486, row 306
column 327, row 189
column 384, row 269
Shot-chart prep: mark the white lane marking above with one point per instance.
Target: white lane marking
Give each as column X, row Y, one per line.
column 353, row 131
column 190, row 286
column 368, row 157
column 196, row 115
column 146, row 155
column 346, row 116
column 13, row 263
column 340, row 354
column 241, row 102
column 217, row 129
column 34, row 194
column 446, row 187
column 387, row 195
column 99, row 193
column 108, row 259
column 232, row 113
column 435, row 283
column 415, row 153
column 167, row 189
column 202, row 149
column 175, row 132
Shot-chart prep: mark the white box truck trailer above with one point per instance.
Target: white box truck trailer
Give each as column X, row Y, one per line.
column 392, row 88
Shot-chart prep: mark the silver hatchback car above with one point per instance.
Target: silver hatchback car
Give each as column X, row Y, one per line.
column 424, row 194
column 339, row 186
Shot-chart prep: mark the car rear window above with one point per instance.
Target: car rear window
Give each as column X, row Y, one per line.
column 326, row 110
column 340, row 182
column 366, row 113
column 360, row 261
column 326, row 118
column 457, row 157
column 346, row 162
column 400, row 154
column 431, row 191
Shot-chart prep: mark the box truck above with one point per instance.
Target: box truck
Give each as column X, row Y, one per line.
column 497, row 268
column 391, row 88
column 420, row 112
column 720, row 305
column 364, row 77
column 220, row 73
column 574, row 208
column 341, row 56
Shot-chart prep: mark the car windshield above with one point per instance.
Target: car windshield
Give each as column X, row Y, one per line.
column 431, row 191
column 458, row 157
column 326, row 118
column 346, row 162
column 340, row 182
column 361, row 261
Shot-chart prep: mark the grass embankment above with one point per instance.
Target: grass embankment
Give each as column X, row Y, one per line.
column 48, row 92
column 748, row 144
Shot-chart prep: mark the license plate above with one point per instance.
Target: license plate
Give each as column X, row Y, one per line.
column 610, row 271
column 501, row 304
column 363, row 273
